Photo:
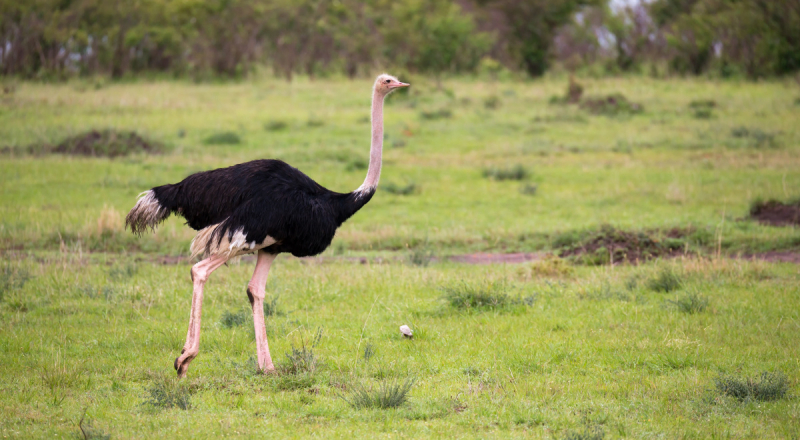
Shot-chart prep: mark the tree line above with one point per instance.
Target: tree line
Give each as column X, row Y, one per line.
column 206, row 38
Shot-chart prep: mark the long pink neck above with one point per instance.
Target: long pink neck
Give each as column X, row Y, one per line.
column 376, row 147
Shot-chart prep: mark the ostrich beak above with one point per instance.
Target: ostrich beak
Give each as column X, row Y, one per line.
column 400, row 84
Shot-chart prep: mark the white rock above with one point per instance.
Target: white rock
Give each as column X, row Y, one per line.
column 406, row 331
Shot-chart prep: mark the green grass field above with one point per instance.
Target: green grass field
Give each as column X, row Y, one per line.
column 91, row 320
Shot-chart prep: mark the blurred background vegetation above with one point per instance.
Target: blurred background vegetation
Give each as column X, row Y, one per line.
column 207, row 39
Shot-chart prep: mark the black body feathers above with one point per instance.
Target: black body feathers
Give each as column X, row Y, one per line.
column 261, row 198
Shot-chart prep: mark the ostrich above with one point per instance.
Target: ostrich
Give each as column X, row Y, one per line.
column 264, row 206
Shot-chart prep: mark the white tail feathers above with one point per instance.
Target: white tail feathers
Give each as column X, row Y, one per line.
column 207, row 243
column 147, row 213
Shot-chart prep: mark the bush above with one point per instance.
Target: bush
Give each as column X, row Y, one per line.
column 387, row 395
column 768, row 386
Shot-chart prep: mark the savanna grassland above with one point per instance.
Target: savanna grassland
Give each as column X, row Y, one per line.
column 660, row 312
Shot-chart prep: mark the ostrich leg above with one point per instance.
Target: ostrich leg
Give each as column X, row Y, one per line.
column 200, row 273
column 255, row 292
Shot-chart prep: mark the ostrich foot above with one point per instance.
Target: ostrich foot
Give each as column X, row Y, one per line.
column 182, row 362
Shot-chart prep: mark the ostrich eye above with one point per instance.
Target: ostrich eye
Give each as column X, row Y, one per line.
column 388, row 81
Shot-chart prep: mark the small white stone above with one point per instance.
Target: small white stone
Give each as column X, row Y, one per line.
column 406, row 331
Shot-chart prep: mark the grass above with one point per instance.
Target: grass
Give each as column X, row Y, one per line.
column 91, row 317
column 765, row 387
column 690, row 303
column 387, row 395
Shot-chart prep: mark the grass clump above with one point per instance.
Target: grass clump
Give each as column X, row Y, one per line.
column 529, row 189
column 223, row 138
column 303, row 359
column 356, row 164
column 466, row 296
column 436, row 114
column 492, row 102
column 400, row 190
column 234, row 319
column 757, row 138
column 611, row 105
column 100, row 143
column 664, row 281
column 167, row 392
column 12, row 279
column 420, row 256
column 702, row 108
column 387, row 395
column 690, row 303
column 294, row 382
column 275, row 125
column 590, row 432
column 517, row 172
column 768, row 386
column 550, row 266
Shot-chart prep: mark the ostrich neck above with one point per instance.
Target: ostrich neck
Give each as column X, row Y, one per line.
column 376, row 146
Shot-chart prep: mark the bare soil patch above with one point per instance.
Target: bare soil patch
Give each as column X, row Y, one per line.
column 776, row 213
column 609, row 245
column 776, row 256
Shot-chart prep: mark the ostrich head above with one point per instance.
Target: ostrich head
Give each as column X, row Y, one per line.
column 386, row 84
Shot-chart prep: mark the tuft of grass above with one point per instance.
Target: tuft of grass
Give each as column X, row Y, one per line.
column 768, row 386
column 276, row 125
column 550, row 266
column 223, row 138
column 294, row 382
column 611, row 105
column 702, row 108
column 369, row 351
column 122, row 272
column 436, row 114
column 357, row 164
column 420, row 256
column 406, row 190
column 168, row 392
column 492, row 102
column 528, row 189
column 387, row 395
column 315, row 122
column 589, row 432
column 488, row 296
column 89, row 432
column 758, row 138
column 235, row 319
column 517, row 172
column 303, row 359
column 690, row 303
column 12, row 279
column 271, row 307
column 664, row 281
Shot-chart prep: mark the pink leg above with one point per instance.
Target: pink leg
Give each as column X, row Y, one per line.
column 255, row 291
column 200, row 273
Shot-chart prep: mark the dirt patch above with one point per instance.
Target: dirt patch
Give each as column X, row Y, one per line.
column 484, row 258
column 775, row 213
column 96, row 143
column 609, row 245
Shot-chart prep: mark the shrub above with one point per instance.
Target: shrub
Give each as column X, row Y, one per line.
column 386, row 395
column 517, row 172
column 767, row 386
column 223, row 138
